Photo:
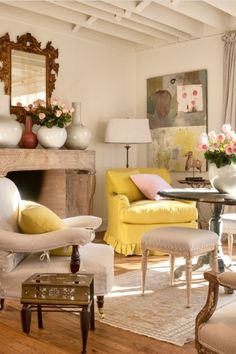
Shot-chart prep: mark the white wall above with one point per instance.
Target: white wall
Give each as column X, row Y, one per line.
column 111, row 82
column 193, row 55
column 102, row 78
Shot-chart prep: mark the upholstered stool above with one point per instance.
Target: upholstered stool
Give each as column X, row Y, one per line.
column 181, row 242
column 229, row 227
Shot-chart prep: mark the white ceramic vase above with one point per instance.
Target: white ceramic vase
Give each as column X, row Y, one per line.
column 78, row 136
column 224, row 178
column 10, row 132
column 51, row 138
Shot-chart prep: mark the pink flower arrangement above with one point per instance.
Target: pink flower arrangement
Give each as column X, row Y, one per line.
column 51, row 115
column 220, row 148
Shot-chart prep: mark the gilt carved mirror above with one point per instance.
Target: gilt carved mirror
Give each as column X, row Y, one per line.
column 27, row 70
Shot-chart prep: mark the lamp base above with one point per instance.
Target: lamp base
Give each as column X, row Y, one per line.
column 127, row 155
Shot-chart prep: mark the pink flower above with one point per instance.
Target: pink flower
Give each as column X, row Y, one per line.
column 220, row 137
column 65, row 110
column 212, row 135
column 226, row 128
column 72, row 110
column 203, row 138
column 203, row 147
column 228, row 149
column 42, row 115
column 54, row 101
column 58, row 113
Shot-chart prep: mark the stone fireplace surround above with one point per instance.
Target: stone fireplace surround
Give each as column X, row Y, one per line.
column 67, row 177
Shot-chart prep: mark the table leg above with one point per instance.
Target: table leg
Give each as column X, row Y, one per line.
column 215, row 225
column 84, row 323
column 26, row 318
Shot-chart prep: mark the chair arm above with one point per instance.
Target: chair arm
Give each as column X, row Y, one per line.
column 209, row 308
column 227, row 279
column 83, row 221
column 17, row 242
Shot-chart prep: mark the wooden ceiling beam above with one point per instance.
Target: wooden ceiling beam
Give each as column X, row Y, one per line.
column 199, row 11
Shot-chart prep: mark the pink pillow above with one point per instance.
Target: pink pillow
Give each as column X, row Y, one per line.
column 150, row 184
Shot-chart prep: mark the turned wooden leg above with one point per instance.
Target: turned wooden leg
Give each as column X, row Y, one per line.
column 214, row 260
column 188, row 272
column 100, row 304
column 75, row 259
column 26, row 318
column 172, row 266
column 92, row 316
column 2, row 302
column 144, row 269
column 84, row 323
column 230, row 245
column 40, row 317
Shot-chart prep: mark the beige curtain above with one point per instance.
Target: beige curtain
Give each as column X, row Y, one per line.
column 229, row 87
column 229, row 79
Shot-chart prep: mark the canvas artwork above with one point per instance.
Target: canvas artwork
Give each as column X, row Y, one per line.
column 177, row 113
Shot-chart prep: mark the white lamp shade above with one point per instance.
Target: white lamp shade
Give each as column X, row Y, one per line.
column 128, row 131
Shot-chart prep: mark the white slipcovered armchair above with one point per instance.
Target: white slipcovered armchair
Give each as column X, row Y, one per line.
column 22, row 255
column 216, row 326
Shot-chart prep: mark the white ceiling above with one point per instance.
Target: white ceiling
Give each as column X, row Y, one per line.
column 137, row 24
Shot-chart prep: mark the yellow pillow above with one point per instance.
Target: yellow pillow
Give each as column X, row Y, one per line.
column 122, row 184
column 35, row 218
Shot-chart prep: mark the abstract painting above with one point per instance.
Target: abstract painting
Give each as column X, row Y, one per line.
column 177, row 113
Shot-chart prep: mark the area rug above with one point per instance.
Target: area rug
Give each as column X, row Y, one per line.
column 162, row 312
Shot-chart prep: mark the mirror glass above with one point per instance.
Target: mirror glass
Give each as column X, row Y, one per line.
column 28, row 77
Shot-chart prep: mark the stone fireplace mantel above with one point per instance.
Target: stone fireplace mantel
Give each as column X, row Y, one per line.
column 69, row 182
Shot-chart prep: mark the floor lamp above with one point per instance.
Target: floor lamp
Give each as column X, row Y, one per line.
column 128, row 131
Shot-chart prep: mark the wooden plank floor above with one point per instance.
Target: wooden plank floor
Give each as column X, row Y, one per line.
column 62, row 331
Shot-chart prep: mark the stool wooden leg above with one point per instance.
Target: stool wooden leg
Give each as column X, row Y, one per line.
column 172, row 268
column 230, row 245
column 2, row 304
column 188, row 274
column 144, row 269
column 84, row 323
column 40, row 317
column 26, row 318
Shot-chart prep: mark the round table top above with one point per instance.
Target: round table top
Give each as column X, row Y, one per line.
column 205, row 195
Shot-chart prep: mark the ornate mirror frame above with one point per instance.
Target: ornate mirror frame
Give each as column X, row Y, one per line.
column 27, row 43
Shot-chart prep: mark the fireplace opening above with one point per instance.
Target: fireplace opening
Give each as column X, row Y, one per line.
column 29, row 183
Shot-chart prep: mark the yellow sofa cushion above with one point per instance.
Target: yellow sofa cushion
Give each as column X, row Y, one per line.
column 35, row 218
column 122, row 183
column 161, row 211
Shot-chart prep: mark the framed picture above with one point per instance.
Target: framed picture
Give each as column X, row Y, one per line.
column 177, row 113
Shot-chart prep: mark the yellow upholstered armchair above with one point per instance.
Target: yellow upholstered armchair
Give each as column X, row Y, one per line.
column 130, row 213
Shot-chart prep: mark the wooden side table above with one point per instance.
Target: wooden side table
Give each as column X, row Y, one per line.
column 59, row 292
column 201, row 183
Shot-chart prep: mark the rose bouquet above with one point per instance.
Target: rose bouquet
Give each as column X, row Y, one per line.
column 55, row 114
column 220, row 148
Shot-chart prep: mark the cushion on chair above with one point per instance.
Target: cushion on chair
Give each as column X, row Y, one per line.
column 35, row 218
column 154, row 212
column 185, row 241
column 122, row 184
column 229, row 223
column 150, row 184
column 218, row 333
